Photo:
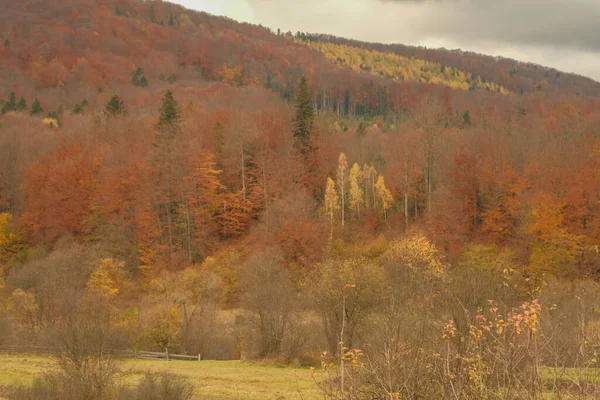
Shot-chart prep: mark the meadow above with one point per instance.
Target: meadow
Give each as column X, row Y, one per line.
column 214, row 380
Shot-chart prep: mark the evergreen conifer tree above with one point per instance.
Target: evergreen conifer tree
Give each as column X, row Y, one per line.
column 152, row 13
column 170, row 111
column 21, row 105
column 303, row 122
column 55, row 115
column 11, row 104
column 138, row 78
column 115, row 107
column 36, row 108
column 78, row 109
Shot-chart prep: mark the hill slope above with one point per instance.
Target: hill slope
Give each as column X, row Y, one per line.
column 403, row 115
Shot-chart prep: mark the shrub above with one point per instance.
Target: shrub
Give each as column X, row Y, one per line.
column 60, row 386
column 159, row 386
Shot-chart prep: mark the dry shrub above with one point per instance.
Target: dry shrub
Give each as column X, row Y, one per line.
column 160, row 386
column 61, row 386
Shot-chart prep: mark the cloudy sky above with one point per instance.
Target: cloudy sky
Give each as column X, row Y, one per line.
column 564, row 34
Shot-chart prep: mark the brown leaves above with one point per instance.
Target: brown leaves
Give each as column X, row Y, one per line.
column 59, row 189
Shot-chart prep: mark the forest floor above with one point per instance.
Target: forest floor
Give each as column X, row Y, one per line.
column 213, row 380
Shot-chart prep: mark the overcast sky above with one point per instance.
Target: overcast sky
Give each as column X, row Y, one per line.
column 564, row 34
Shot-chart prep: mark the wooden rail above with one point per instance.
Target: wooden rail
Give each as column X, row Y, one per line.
column 137, row 354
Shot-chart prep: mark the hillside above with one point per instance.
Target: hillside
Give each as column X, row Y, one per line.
column 401, row 68
column 516, row 76
column 100, row 44
column 174, row 180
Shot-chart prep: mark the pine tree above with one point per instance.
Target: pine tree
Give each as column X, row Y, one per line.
column 152, row 13
column 303, row 123
column 138, row 78
column 55, row 116
column 115, row 107
column 21, row 105
column 166, row 160
column 171, row 21
column 170, row 111
column 36, row 108
column 466, row 118
column 78, row 109
column 11, row 104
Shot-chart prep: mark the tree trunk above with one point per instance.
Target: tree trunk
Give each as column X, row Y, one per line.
column 343, row 200
column 265, row 193
column 188, row 228
column 406, row 197
column 331, row 222
column 243, row 171
column 416, row 207
column 170, row 225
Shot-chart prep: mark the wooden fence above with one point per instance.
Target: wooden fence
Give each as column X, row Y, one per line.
column 164, row 356
column 148, row 355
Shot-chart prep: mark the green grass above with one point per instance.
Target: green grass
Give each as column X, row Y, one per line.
column 220, row 380
column 590, row 375
column 212, row 379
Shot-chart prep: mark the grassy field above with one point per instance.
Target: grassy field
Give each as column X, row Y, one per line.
column 220, row 380
column 213, row 379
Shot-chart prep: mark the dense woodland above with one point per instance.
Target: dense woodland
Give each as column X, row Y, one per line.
column 214, row 187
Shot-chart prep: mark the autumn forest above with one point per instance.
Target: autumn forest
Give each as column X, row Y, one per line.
column 424, row 223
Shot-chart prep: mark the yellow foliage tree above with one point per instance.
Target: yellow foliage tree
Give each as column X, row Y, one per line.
column 417, row 253
column 11, row 241
column 556, row 250
column 384, row 195
column 24, row 308
column 108, row 278
column 342, row 173
column 162, row 325
column 331, row 201
column 185, row 22
column 357, row 195
column 401, row 68
column 488, row 257
column 230, row 75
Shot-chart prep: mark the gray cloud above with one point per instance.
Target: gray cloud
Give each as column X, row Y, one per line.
column 573, row 24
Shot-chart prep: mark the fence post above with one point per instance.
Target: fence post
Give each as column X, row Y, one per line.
column 199, row 357
column 167, row 353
